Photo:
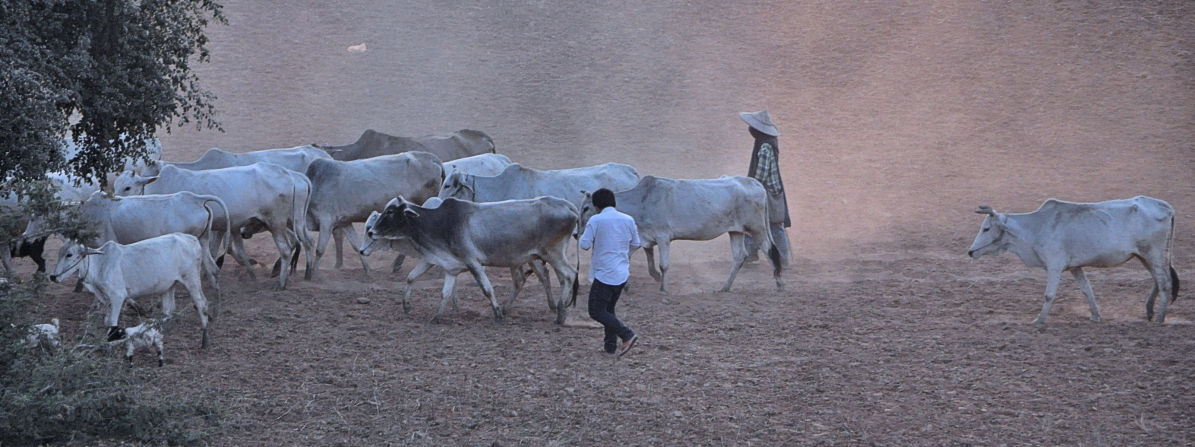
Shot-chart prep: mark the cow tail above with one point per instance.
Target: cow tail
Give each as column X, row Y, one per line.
column 1174, row 282
column 227, row 237
column 576, row 275
column 773, row 251
column 576, row 272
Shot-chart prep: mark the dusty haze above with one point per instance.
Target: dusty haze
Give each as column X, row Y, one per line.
column 898, row 118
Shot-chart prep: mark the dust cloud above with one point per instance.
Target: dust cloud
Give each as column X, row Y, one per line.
column 897, row 118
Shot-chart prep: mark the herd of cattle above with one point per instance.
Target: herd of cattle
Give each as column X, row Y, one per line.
column 453, row 202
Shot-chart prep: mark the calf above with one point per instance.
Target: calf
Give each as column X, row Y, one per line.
column 143, row 335
column 115, row 273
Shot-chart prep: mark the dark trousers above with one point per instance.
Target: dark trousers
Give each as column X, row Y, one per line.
column 602, row 298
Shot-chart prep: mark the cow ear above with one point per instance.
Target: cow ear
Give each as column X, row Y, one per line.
column 586, row 193
column 410, row 212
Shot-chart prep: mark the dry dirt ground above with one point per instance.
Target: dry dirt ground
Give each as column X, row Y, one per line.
column 898, row 119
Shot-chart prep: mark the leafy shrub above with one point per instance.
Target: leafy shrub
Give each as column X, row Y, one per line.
column 60, row 395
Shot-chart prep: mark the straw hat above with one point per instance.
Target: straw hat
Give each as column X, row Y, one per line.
column 761, row 121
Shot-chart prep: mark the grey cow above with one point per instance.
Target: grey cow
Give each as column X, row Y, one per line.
column 344, row 192
column 460, row 144
column 461, row 235
column 697, row 210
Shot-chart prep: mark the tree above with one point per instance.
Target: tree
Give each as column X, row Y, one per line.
column 107, row 73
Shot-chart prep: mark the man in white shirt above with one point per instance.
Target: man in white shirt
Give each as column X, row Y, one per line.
column 611, row 234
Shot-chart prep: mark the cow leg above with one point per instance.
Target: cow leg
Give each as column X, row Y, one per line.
column 397, row 266
column 338, row 239
column 351, row 232
column 1149, row 302
column 6, row 257
column 486, row 288
column 650, row 250
column 445, row 294
column 541, row 272
column 1085, row 286
column 567, row 275
column 665, row 261
column 419, row 270
column 158, row 346
column 238, row 252
column 1053, row 276
column 1163, row 284
column 35, row 253
column 115, row 304
column 518, row 278
column 168, row 303
column 738, row 254
column 212, row 273
column 325, row 231
column 195, row 288
column 282, row 241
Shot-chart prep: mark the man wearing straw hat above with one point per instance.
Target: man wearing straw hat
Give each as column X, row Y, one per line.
column 765, row 167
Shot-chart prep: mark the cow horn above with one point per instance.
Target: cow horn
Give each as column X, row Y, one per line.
column 984, row 209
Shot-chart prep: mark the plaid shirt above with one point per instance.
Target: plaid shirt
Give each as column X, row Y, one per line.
column 767, row 171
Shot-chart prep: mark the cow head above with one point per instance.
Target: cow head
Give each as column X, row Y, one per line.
column 370, row 243
column 70, row 258
column 393, row 221
column 458, row 185
column 587, row 208
column 991, row 234
column 131, row 184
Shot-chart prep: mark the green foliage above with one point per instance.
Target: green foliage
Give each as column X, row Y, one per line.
column 108, row 72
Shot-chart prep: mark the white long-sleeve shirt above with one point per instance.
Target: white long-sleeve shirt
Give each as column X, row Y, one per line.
column 612, row 235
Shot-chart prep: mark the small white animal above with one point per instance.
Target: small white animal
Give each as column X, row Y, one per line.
column 37, row 332
column 140, row 336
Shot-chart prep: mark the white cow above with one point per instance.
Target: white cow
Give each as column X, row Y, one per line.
column 697, row 210
column 294, row 158
column 116, row 272
column 344, row 192
column 271, row 194
column 1062, row 236
column 520, row 182
column 483, row 165
column 135, row 218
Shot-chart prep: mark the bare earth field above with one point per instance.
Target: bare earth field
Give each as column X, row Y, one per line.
column 898, row 118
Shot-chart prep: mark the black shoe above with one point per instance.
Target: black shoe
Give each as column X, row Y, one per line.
column 610, row 349
column 627, row 345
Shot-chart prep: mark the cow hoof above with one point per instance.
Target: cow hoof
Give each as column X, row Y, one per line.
column 1095, row 319
column 436, row 320
column 1039, row 322
column 279, row 287
column 406, row 309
